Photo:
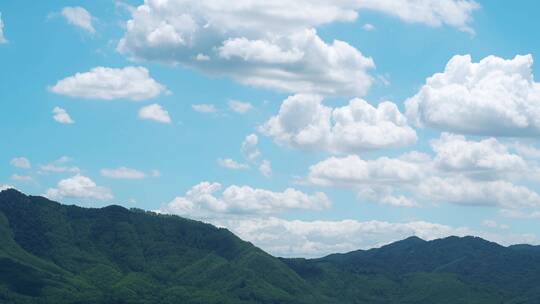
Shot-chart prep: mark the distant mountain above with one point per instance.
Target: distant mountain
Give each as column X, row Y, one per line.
column 53, row 253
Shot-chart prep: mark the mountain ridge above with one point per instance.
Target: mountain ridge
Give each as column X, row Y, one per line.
column 54, row 253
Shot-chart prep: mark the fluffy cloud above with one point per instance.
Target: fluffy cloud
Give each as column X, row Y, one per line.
column 133, row 83
column 2, row 37
column 494, row 97
column 122, row 173
column 232, row 164
column 352, row 170
column 204, row 108
column 203, row 201
column 318, row 238
column 461, row 172
column 81, row 187
column 463, row 191
column 80, row 17
column 433, row 13
column 304, row 122
column 60, row 115
column 21, row 162
column 21, row 178
column 272, row 44
column 373, row 180
column 258, row 44
column 455, row 153
column 240, row 107
column 154, row 112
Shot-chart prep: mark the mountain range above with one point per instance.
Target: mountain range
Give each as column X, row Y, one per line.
column 54, row 253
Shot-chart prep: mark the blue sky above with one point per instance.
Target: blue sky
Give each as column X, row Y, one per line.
column 148, row 105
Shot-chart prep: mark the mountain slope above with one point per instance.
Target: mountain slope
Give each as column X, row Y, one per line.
column 68, row 254
column 53, row 253
column 449, row 270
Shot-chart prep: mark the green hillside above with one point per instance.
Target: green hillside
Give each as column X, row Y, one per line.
column 53, row 253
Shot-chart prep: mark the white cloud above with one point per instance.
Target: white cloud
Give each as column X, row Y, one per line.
column 21, row 178
column 204, row 108
column 265, row 168
column 249, row 147
column 62, row 116
column 2, row 37
column 232, row 164
column 59, row 166
column 154, row 112
column 494, row 97
column 463, row 191
column 272, row 44
column 122, row 173
column 368, row 27
column 298, row 238
column 203, row 201
column 486, row 156
column 132, row 83
column 240, row 107
column 374, row 180
column 433, row 13
column 352, row 170
column 21, row 162
column 526, row 150
column 304, row 122
column 461, row 172
column 81, row 187
column 79, row 17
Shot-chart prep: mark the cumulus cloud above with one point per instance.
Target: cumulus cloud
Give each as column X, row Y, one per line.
column 2, row 37
column 154, row 112
column 464, row 191
column 272, row 44
column 299, row 238
column 319, row 238
column 204, row 108
column 21, row 162
column 373, row 180
column 494, row 97
column 79, row 186
column 79, row 17
column 487, row 156
column 123, row 173
column 232, row 164
column 240, row 107
column 208, row 200
column 304, row 122
column 60, row 115
column 461, row 172
column 132, row 83
column 432, row 13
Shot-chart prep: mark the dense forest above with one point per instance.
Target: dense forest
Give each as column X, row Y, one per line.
column 53, row 253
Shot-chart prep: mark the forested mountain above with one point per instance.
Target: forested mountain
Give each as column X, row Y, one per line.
column 53, row 253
